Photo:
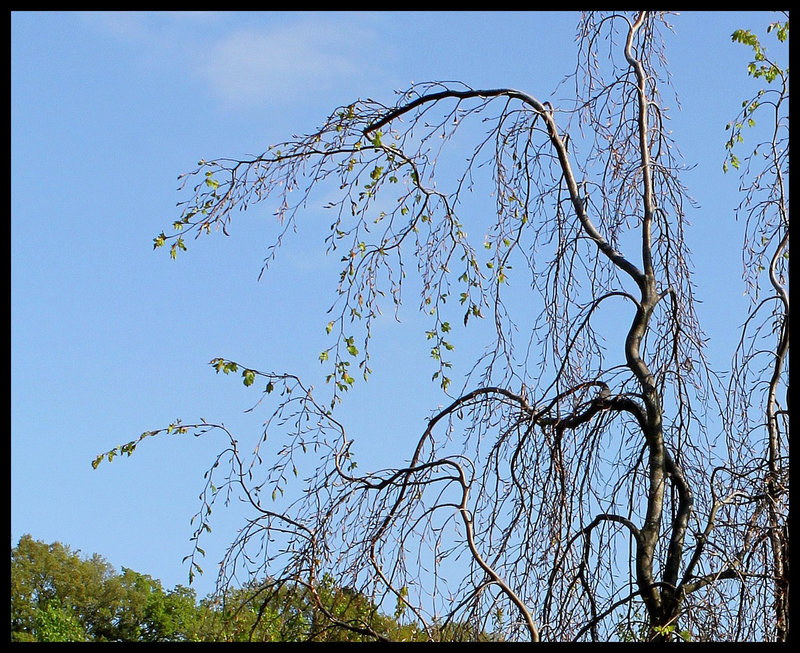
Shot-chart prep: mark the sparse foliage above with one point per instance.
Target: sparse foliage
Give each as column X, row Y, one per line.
column 570, row 489
column 757, row 418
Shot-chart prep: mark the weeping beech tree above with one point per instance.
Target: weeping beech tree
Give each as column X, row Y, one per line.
column 571, row 487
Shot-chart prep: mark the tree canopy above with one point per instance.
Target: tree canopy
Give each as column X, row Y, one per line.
column 57, row 595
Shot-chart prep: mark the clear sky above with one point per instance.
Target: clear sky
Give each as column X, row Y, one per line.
column 109, row 338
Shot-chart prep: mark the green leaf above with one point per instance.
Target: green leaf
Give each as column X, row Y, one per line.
column 227, row 366
column 249, row 377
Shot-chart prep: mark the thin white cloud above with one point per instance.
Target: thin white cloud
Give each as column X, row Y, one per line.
column 277, row 58
column 255, row 67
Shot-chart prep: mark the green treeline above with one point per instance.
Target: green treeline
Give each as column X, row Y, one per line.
column 56, row 595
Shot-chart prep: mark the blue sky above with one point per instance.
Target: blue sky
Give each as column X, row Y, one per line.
column 109, row 338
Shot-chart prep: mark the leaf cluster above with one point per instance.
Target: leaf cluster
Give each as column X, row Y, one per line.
column 760, row 67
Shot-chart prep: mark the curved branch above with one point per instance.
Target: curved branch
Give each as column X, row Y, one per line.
column 544, row 110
